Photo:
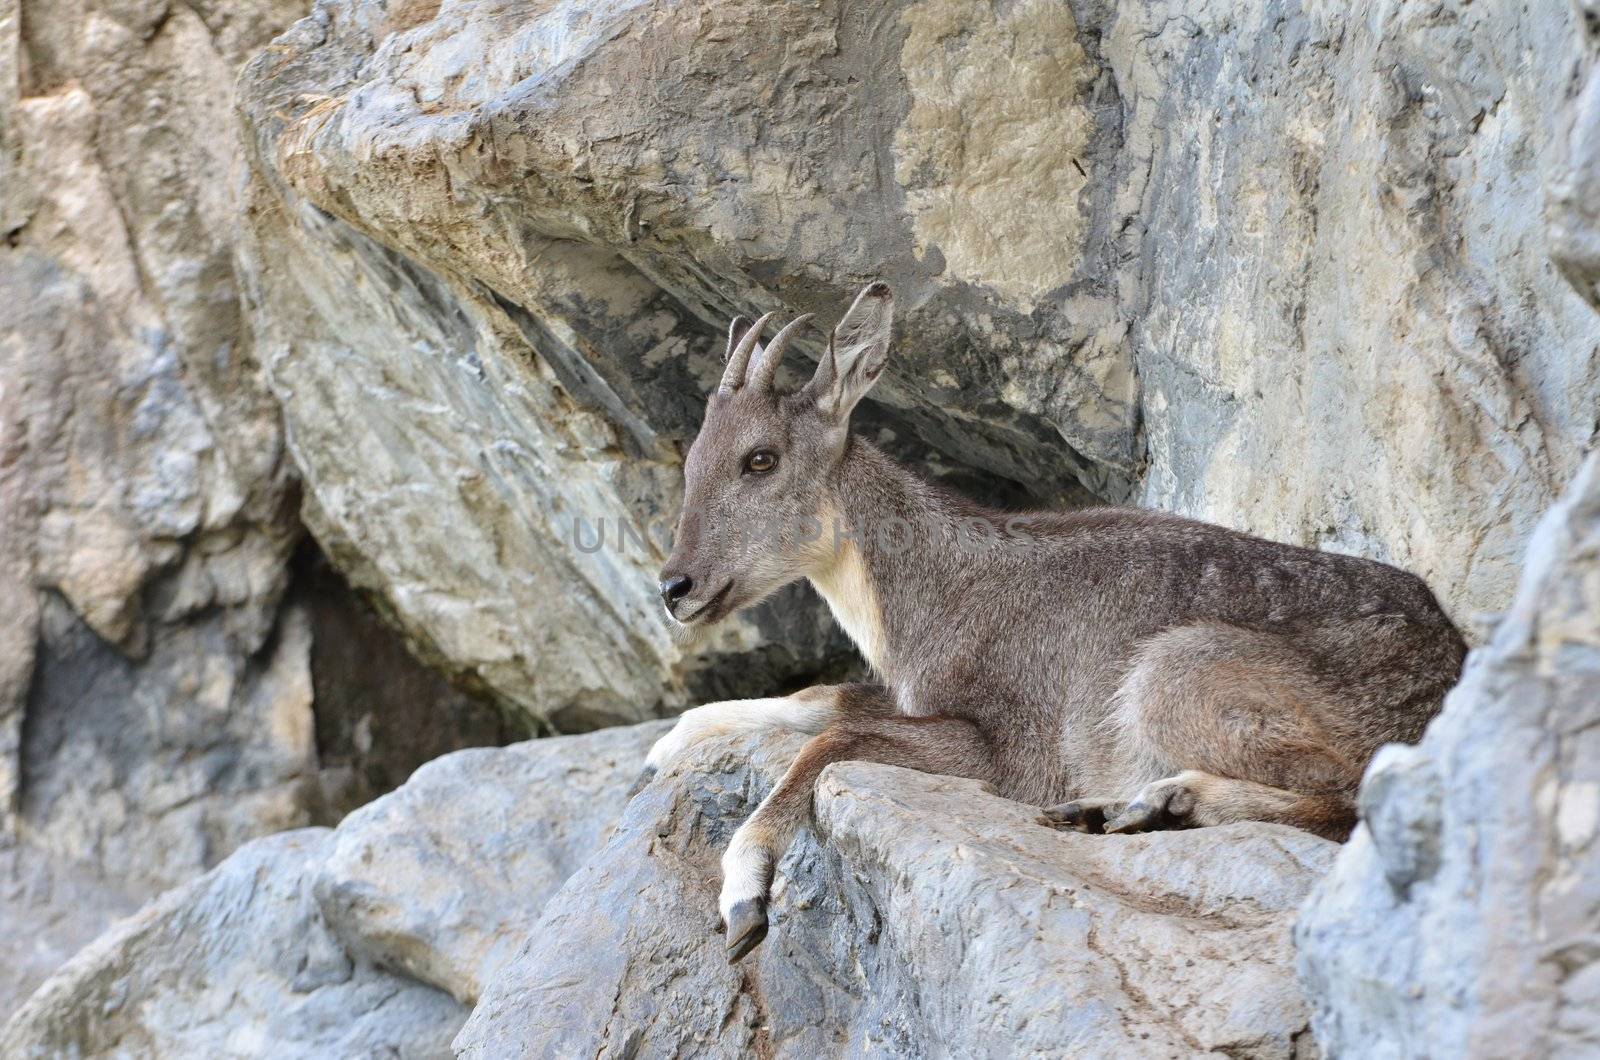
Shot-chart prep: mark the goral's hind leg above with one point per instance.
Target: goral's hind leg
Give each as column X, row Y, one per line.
column 1221, row 724
column 1193, row 799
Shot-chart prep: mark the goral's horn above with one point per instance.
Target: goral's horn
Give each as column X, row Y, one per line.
column 767, row 367
column 733, row 376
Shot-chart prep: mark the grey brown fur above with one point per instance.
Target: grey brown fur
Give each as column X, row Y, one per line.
column 1132, row 670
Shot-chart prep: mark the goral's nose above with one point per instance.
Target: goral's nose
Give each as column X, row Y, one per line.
column 675, row 588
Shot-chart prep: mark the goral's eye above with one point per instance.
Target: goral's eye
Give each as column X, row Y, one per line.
column 760, row 462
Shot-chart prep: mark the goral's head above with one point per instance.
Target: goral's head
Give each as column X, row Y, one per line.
column 758, row 479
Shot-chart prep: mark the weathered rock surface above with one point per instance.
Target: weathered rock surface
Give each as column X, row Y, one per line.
column 155, row 704
column 1350, row 333
column 239, row 963
column 347, row 942
column 168, row 688
column 1461, row 919
column 931, row 919
column 357, row 939
column 443, row 878
column 48, row 912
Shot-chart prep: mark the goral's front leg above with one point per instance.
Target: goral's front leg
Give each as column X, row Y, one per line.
column 948, row 746
column 808, row 711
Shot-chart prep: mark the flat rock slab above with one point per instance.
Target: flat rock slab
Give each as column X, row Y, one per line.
column 932, row 918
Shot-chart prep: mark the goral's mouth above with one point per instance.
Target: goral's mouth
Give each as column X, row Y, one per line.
column 710, row 611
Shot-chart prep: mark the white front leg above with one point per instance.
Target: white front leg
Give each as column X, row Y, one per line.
column 809, row 711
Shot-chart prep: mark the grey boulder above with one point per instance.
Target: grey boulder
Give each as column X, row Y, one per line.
column 925, row 917
column 443, row 878
column 371, row 939
column 1461, row 919
column 238, row 963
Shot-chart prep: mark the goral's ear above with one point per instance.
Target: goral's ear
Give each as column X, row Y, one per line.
column 858, row 350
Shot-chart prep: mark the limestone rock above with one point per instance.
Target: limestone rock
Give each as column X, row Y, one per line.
column 347, row 942
column 1460, row 920
column 1572, row 180
column 167, row 684
column 155, row 706
column 443, row 878
column 927, row 917
column 238, row 963
column 1350, row 332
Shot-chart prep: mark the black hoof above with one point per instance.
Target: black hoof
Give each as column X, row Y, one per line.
column 1162, row 807
column 747, row 926
column 646, row 775
column 1082, row 815
column 1138, row 817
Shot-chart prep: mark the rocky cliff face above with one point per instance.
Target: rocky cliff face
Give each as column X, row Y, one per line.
column 348, row 367
column 1283, row 269
column 1461, row 918
column 154, row 695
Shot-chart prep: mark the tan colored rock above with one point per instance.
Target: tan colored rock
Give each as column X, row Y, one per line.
column 159, row 664
column 1276, row 267
column 167, row 693
column 999, row 114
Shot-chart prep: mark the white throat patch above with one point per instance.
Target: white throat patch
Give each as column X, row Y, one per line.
column 854, row 603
